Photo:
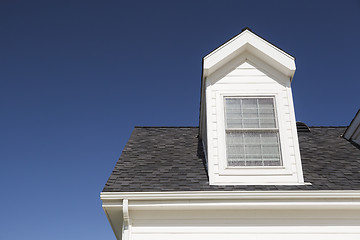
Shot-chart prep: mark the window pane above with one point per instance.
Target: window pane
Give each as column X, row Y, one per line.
column 254, row 162
column 267, row 112
column 249, row 113
column 235, row 149
column 236, row 163
column 249, row 103
column 266, row 103
column 267, row 123
column 270, row 149
column 233, row 113
column 251, row 123
column 251, row 138
column 270, row 138
column 247, row 147
column 253, row 148
column 272, row 163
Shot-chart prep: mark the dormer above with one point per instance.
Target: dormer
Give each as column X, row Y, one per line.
column 247, row 119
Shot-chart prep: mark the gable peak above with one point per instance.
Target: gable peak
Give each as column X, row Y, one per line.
column 250, row 43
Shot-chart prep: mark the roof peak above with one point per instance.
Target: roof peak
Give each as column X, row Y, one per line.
column 248, row 42
column 246, row 28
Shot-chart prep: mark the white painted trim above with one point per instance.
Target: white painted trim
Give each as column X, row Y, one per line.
column 281, row 175
column 248, row 232
column 290, row 173
column 243, row 206
column 248, row 41
column 235, row 200
column 249, row 171
column 295, row 137
column 208, row 81
column 222, row 200
column 319, row 194
column 239, row 35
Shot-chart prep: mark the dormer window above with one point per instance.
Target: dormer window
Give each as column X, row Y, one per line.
column 247, row 117
column 252, row 134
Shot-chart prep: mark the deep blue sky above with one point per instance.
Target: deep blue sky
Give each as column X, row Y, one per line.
column 77, row 76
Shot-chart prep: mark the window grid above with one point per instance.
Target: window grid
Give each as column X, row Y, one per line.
column 260, row 153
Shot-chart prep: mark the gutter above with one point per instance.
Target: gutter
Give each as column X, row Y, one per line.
column 231, row 200
column 240, row 195
column 118, row 205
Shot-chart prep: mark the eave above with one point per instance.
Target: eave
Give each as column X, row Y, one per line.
column 226, row 195
column 118, row 205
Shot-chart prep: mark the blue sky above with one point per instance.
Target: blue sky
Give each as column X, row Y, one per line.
column 77, row 76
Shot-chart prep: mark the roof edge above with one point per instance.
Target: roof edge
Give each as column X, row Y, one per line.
column 311, row 194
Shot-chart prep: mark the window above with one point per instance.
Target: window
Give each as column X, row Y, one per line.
column 252, row 134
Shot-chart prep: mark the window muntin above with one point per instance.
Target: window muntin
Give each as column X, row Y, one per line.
column 252, row 134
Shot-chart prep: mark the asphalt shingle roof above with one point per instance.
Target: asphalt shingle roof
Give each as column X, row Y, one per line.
column 172, row 159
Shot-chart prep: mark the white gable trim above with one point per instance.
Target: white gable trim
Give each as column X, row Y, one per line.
column 248, row 41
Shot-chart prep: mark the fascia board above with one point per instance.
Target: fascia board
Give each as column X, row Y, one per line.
column 243, row 42
column 331, row 200
column 323, row 205
column 336, row 194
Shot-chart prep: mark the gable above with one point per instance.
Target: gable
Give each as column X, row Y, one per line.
column 248, row 41
column 248, row 72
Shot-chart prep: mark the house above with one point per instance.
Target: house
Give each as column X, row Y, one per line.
column 249, row 171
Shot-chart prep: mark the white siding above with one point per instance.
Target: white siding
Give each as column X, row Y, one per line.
column 249, row 76
column 245, row 224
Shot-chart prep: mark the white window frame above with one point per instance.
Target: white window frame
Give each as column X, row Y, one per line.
column 284, row 169
column 258, row 130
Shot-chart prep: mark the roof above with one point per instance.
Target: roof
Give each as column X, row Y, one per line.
column 159, row 159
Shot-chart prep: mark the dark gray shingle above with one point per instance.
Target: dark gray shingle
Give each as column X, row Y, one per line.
column 172, row 159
